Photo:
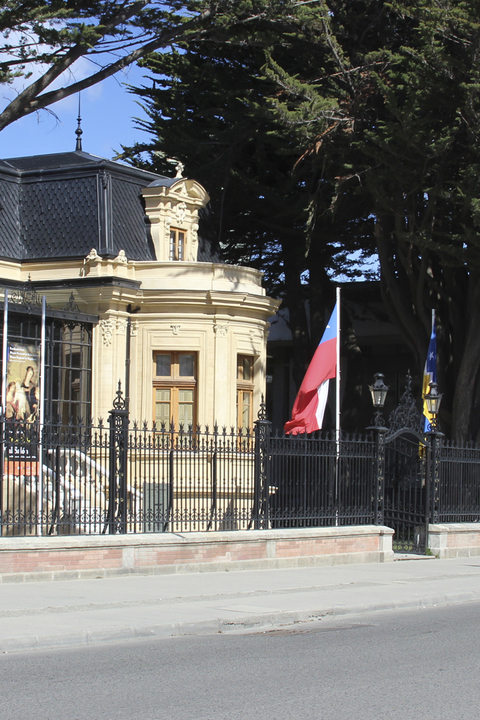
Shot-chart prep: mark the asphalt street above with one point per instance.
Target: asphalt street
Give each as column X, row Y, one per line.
column 399, row 664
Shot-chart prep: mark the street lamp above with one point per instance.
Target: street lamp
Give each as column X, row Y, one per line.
column 379, row 392
column 433, row 399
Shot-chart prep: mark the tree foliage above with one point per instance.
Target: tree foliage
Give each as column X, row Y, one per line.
column 43, row 39
column 360, row 124
column 208, row 104
column 320, row 128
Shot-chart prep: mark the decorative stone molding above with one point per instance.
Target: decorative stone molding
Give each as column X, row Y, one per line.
column 194, row 233
column 177, row 205
column 134, row 328
column 121, row 326
column 257, row 339
column 107, row 326
column 180, row 212
column 175, row 329
column 219, row 329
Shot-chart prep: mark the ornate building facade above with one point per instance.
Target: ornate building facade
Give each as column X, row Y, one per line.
column 133, row 295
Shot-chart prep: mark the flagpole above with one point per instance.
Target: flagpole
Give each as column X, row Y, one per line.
column 337, row 379
column 337, row 410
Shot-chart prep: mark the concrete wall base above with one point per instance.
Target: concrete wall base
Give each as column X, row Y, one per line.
column 451, row 540
column 26, row 559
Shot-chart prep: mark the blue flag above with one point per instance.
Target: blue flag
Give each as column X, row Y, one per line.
column 430, row 373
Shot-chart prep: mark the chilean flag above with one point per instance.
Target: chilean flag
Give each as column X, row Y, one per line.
column 309, row 407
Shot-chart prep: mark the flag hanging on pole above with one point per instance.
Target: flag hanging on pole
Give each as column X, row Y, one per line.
column 430, row 372
column 309, row 407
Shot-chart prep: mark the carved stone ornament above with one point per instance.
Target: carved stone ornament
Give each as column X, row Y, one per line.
column 179, row 166
column 121, row 258
column 121, row 326
column 108, row 327
column 180, row 212
column 134, row 328
column 92, row 257
column 194, row 233
column 220, row 330
column 175, row 329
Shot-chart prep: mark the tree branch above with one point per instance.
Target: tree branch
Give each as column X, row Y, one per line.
column 30, row 100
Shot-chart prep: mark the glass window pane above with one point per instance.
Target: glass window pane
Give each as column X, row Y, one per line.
column 246, row 404
column 247, row 369
column 185, row 396
column 172, row 244
column 181, row 238
column 186, row 365
column 164, row 365
column 162, row 405
column 185, row 407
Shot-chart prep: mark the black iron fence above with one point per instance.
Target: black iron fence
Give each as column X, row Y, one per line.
column 320, row 481
column 456, row 492
column 127, row 478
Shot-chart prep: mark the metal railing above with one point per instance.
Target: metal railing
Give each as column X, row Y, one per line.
column 129, row 478
column 121, row 477
column 457, row 495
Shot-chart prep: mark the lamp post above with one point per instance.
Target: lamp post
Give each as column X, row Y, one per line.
column 432, row 399
column 379, row 392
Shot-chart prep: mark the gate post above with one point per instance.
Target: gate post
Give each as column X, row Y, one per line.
column 379, row 432
column 261, row 484
column 117, row 493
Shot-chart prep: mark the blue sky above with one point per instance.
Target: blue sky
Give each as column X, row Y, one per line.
column 107, row 111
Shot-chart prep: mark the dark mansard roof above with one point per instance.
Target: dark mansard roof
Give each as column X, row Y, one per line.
column 65, row 204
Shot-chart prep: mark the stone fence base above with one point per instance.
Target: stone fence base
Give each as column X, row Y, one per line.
column 451, row 540
column 25, row 559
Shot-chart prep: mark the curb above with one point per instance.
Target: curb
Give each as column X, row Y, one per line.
column 217, row 625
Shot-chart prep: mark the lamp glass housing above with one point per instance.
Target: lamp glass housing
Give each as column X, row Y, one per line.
column 433, row 399
column 379, row 391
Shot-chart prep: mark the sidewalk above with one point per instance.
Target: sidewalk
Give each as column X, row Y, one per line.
column 84, row 612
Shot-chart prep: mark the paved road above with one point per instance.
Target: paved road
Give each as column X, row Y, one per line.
column 397, row 665
column 84, row 612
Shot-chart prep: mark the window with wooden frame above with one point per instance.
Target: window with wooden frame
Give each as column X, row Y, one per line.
column 177, row 244
column 174, row 388
column 245, row 386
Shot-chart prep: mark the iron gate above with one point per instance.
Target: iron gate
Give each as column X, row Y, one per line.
column 406, row 490
column 407, row 473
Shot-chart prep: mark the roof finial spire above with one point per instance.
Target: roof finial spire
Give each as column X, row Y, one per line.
column 79, row 131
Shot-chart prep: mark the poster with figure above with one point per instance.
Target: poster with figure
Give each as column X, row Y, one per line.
column 22, row 400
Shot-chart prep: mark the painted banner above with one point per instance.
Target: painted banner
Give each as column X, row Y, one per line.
column 22, row 400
